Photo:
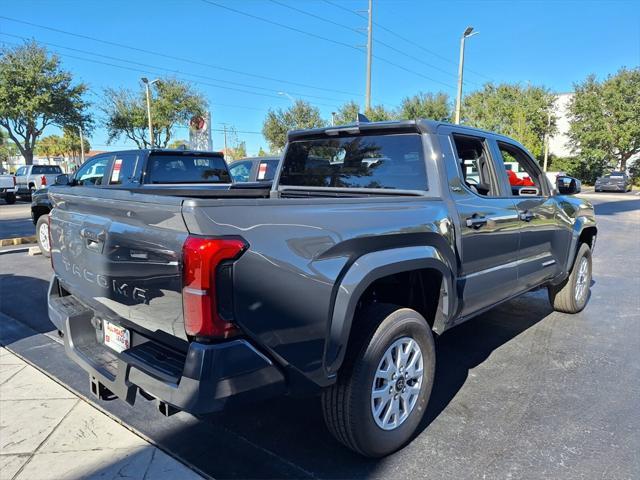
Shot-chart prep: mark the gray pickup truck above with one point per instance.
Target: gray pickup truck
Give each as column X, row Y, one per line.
column 373, row 239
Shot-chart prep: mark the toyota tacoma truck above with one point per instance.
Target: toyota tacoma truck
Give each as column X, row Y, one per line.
column 373, row 239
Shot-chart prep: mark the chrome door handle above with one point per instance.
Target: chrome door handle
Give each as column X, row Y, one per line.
column 476, row 221
column 526, row 216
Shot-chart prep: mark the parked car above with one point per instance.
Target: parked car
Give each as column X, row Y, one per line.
column 254, row 169
column 614, row 182
column 124, row 170
column 333, row 280
column 40, row 208
column 30, row 178
column 8, row 188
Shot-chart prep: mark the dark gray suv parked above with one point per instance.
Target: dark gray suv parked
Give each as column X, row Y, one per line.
column 373, row 239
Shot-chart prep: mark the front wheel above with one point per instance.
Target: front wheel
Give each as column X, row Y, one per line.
column 10, row 198
column 385, row 381
column 42, row 234
column 572, row 295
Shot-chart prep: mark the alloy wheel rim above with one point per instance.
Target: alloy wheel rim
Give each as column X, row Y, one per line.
column 582, row 280
column 44, row 236
column 397, row 383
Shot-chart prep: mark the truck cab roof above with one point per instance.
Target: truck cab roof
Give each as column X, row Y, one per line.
column 389, row 126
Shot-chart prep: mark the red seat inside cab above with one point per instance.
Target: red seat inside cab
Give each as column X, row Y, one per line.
column 515, row 181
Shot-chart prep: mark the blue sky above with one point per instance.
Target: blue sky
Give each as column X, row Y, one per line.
column 241, row 63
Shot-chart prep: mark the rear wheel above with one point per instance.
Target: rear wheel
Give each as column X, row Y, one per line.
column 10, row 198
column 385, row 382
column 42, row 234
column 572, row 295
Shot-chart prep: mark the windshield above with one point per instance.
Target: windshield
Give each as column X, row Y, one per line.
column 187, row 169
column 367, row 161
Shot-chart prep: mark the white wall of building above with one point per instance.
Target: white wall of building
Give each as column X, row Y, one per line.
column 559, row 143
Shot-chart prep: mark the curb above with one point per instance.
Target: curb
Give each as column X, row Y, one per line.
column 98, row 407
column 6, row 242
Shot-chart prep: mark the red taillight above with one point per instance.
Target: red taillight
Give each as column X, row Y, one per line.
column 14, row 181
column 43, row 181
column 201, row 257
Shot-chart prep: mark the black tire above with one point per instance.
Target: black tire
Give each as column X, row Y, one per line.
column 10, row 198
column 563, row 297
column 347, row 405
column 41, row 225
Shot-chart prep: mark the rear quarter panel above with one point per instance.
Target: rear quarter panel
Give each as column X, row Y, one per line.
column 285, row 284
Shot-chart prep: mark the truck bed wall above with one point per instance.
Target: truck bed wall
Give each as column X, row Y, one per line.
column 285, row 283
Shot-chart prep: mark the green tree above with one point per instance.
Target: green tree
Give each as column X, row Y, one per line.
column 7, row 147
column 605, row 118
column 174, row 103
column 426, row 105
column 176, row 144
column 35, row 93
column 71, row 148
column 50, row 147
column 523, row 113
column 262, row 153
column 278, row 122
column 348, row 113
column 239, row 150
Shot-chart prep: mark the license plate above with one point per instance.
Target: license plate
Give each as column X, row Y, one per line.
column 116, row 337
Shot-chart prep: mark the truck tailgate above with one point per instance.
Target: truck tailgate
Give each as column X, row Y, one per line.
column 120, row 253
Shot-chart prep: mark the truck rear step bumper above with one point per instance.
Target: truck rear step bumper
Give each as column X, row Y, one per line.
column 205, row 379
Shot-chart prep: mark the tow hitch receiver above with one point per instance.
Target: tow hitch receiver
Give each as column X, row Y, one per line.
column 99, row 390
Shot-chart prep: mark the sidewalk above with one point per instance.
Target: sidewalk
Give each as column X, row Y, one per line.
column 47, row 432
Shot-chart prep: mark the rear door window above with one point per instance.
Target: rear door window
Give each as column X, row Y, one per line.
column 241, row 171
column 21, row 171
column 46, row 170
column 187, row 169
column 363, row 161
column 123, row 169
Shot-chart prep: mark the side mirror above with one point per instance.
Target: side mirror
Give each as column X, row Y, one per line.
column 63, row 179
column 567, row 185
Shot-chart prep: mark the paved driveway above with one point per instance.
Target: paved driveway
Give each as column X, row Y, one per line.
column 520, row 391
column 15, row 220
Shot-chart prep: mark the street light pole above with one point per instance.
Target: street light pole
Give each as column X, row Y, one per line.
column 467, row 33
column 367, row 99
column 148, row 84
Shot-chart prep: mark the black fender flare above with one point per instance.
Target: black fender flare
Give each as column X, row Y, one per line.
column 362, row 273
column 581, row 223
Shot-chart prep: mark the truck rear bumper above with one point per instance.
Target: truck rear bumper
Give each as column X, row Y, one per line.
column 205, row 379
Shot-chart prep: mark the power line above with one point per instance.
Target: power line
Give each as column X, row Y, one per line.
column 160, row 73
column 172, row 57
column 169, row 69
column 320, row 37
column 361, row 33
column 405, row 39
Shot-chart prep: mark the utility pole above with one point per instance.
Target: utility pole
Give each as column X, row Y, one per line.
column 148, row 84
column 224, row 130
column 467, row 33
column 367, row 101
column 333, row 119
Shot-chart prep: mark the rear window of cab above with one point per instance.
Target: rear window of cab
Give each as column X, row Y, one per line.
column 187, row 169
column 393, row 162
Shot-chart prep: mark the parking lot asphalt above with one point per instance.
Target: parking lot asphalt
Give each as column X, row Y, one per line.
column 15, row 220
column 520, row 391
